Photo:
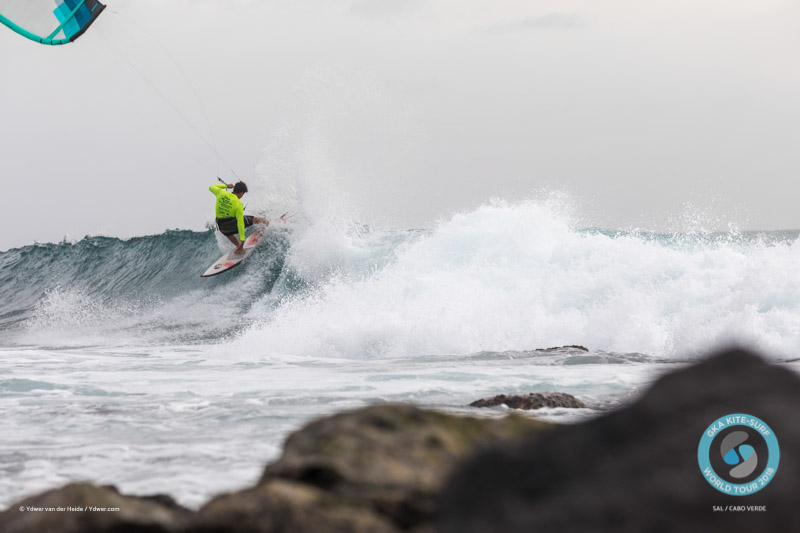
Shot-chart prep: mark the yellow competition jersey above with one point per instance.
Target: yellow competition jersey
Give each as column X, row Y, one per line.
column 229, row 205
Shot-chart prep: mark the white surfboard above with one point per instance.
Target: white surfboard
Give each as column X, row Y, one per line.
column 231, row 259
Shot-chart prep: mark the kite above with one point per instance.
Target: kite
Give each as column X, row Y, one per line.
column 50, row 21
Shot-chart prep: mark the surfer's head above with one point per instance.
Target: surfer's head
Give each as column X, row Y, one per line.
column 240, row 188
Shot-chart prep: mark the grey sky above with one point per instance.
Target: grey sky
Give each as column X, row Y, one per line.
column 407, row 109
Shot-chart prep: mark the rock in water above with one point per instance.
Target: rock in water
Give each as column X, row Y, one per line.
column 280, row 506
column 534, row 400
column 391, row 459
column 637, row 469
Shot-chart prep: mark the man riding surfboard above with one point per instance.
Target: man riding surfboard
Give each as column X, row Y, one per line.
column 230, row 215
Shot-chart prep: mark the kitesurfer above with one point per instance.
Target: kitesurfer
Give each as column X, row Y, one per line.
column 230, row 213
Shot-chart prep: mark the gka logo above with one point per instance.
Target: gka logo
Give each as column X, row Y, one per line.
column 738, row 454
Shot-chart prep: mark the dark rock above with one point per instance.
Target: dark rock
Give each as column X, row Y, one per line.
column 534, row 400
column 159, row 514
column 570, row 347
column 280, row 506
column 392, row 459
column 636, row 470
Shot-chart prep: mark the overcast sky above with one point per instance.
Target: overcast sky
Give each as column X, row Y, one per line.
column 645, row 113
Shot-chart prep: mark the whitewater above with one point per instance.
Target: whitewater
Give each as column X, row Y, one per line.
column 120, row 365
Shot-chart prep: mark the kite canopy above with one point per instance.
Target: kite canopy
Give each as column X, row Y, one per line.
column 50, row 21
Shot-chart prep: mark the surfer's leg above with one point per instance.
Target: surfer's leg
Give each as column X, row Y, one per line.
column 234, row 239
column 259, row 220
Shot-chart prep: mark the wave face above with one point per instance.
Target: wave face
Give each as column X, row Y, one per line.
column 499, row 278
column 144, row 290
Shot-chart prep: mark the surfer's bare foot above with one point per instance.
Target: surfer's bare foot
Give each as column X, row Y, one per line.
column 239, row 250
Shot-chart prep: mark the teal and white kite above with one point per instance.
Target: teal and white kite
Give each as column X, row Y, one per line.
column 50, row 21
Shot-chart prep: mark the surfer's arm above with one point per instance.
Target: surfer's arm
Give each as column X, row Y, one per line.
column 217, row 188
column 240, row 223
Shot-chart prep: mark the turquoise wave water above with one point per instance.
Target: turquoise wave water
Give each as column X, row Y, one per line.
column 101, row 277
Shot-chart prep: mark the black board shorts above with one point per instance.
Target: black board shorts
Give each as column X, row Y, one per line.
column 229, row 226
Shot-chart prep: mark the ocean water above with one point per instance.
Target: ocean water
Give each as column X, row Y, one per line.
column 119, row 364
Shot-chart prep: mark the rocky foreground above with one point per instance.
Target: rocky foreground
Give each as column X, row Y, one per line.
column 393, row 468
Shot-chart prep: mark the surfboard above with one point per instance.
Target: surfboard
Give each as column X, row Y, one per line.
column 230, row 260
